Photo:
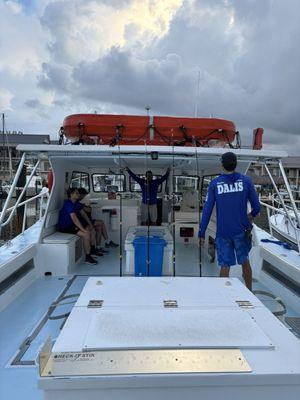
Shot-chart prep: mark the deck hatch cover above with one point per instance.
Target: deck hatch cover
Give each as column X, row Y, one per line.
column 145, row 362
column 172, row 328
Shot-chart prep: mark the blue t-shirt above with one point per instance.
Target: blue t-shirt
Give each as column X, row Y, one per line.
column 149, row 189
column 78, row 207
column 230, row 193
column 64, row 219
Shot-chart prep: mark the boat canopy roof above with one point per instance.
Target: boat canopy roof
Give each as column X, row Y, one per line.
column 201, row 152
column 189, row 160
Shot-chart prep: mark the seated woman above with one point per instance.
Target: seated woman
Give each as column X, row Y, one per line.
column 98, row 224
column 68, row 222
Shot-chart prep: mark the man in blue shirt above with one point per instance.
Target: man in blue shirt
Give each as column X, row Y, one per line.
column 68, row 222
column 149, row 187
column 230, row 192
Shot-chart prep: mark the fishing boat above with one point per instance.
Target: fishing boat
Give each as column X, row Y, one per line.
column 144, row 322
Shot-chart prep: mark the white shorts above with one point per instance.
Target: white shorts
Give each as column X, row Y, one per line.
column 152, row 212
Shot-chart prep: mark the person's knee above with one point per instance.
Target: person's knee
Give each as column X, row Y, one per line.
column 87, row 235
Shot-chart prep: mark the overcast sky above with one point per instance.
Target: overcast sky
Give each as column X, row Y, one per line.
column 118, row 56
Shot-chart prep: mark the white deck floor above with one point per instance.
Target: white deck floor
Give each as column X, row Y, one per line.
column 187, row 263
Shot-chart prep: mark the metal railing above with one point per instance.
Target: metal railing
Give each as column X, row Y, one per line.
column 44, row 194
column 273, row 211
column 11, row 210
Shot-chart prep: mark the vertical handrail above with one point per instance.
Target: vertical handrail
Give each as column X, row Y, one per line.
column 20, row 197
column 269, row 221
column 121, row 214
column 199, row 211
column 11, row 190
column 41, row 206
column 173, row 206
column 24, row 218
column 288, row 188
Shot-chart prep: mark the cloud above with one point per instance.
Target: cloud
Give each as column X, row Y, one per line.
column 84, row 30
column 5, row 99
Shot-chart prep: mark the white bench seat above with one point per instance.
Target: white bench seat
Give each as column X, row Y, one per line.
column 59, row 237
column 67, row 247
column 53, row 236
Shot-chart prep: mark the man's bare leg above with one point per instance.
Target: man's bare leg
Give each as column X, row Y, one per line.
column 86, row 240
column 98, row 229
column 224, row 272
column 104, row 231
column 247, row 274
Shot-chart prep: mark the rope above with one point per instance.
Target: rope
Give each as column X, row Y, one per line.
column 283, row 244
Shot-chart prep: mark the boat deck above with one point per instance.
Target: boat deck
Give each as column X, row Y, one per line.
column 25, row 327
column 187, row 263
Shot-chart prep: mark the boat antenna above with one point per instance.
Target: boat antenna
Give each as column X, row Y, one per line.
column 197, row 94
column 198, row 203
column 121, row 209
column 173, row 204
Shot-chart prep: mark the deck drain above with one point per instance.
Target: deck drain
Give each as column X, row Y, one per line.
column 294, row 323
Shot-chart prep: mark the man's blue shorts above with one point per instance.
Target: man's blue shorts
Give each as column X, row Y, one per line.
column 234, row 250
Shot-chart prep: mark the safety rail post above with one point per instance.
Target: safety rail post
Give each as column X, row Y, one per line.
column 288, row 188
column 24, row 218
column 11, row 191
column 269, row 222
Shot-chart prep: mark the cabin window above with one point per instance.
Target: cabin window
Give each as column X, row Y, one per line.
column 135, row 187
column 80, row 180
column 108, row 182
column 182, row 183
column 204, row 185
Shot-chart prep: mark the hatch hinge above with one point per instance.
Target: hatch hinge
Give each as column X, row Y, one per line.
column 95, row 304
column 170, row 304
column 244, row 304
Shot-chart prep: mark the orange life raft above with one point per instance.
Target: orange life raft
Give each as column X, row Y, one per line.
column 138, row 130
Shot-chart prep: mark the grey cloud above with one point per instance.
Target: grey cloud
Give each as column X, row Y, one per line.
column 32, row 103
column 249, row 72
column 55, row 77
column 121, row 78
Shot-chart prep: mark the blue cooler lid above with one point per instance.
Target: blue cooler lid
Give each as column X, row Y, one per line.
column 153, row 240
